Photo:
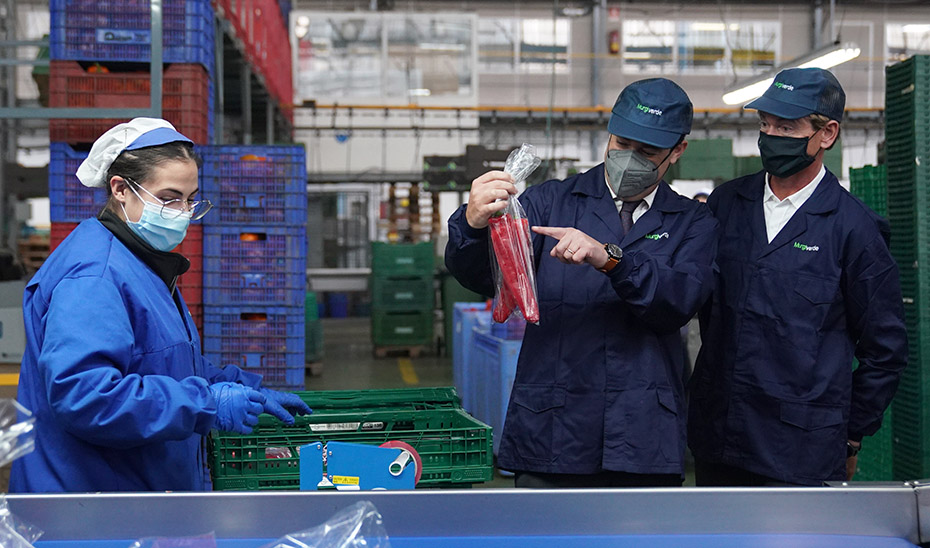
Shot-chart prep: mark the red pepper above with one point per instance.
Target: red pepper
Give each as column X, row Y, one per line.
column 511, row 243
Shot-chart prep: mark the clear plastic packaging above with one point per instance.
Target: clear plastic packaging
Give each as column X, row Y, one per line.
column 359, row 525
column 512, row 247
column 201, row 541
column 17, row 438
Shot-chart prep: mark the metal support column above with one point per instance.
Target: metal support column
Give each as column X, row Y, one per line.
column 246, row 75
column 598, row 16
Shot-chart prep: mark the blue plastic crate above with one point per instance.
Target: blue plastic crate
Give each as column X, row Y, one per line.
column 466, row 317
column 278, row 370
column 248, row 328
column 269, row 288
column 120, row 30
column 255, row 249
column 69, row 200
column 265, row 340
column 495, row 366
column 258, row 185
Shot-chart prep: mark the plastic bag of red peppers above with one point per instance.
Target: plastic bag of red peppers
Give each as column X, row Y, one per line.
column 512, row 247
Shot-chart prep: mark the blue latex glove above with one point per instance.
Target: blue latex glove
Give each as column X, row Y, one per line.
column 237, row 407
column 277, row 404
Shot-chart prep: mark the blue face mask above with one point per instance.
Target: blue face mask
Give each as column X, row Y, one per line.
column 161, row 233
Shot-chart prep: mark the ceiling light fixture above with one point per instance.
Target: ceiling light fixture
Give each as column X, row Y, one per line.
column 830, row 56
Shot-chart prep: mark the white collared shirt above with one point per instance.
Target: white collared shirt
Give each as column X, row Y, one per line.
column 643, row 206
column 779, row 212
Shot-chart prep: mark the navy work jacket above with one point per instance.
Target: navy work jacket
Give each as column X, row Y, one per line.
column 598, row 382
column 774, row 391
column 113, row 375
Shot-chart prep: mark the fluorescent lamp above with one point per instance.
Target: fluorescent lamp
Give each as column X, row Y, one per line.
column 915, row 29
column 823, row 58
column 419, row 92
column 747, row 93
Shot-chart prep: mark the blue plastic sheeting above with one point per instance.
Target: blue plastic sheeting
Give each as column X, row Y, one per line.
column 612, row 541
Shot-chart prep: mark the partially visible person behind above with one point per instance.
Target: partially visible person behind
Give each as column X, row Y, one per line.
column 806, row 284
column 702, row 195
column 112, row 370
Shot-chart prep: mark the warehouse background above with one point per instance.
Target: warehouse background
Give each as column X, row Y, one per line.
column 339, row 136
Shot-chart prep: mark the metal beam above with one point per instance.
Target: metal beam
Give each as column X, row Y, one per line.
column 156, row 71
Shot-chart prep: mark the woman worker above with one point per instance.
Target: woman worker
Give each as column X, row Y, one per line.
column 112, row 370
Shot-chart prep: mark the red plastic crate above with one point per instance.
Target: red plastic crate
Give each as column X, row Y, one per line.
column 191, row 282
column 185, row 99
column 197, row 314
column 59, row 232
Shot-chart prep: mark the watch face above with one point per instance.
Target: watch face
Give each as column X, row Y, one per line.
column 614, row 251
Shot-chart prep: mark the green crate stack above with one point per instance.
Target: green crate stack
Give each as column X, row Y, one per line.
column 747, row 165
column 454, row 447
column 402, row 294
column 875, row 462
column 313, row 330
column 870, row 184
column 705, row 159
column 907, row 134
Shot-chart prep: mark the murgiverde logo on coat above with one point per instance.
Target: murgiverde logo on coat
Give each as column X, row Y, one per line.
column 648, row 110
column 656, row 236
column 806, row 247
column 784, row 86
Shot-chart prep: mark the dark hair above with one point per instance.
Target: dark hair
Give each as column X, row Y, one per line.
column 139, row 164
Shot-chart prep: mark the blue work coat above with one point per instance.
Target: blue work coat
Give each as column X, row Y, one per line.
column 113, row 374
column 598, row 382
column 773, row 390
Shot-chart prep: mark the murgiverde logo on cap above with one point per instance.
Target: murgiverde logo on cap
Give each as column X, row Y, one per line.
column 648, row 110
column 784, row 86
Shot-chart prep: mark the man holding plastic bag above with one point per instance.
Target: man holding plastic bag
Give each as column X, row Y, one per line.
column 621, row 262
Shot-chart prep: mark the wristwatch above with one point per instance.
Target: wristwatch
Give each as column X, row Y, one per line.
column 614, row 254
column 852, row 450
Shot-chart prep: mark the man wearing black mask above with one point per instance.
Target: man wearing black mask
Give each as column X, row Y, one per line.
column 806, row 283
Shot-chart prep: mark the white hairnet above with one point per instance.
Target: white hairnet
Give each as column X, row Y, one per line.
column 93, row 171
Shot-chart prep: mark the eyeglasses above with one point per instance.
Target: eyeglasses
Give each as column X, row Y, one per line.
column 174, row 208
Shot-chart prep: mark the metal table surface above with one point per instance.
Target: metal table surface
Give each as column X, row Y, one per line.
column 850, row 516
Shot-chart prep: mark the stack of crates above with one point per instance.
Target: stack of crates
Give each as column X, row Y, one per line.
column 907, row 134
column 875, row 463
column 402, row 296
column 99, row 55
column 454, row 447
column 255, row 260
column 870, row 184
column 99, row 58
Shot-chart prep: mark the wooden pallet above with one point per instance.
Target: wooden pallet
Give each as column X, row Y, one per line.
column 413, row 351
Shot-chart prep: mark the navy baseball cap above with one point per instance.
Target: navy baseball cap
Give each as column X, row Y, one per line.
column 800, row 92
column 655, row 111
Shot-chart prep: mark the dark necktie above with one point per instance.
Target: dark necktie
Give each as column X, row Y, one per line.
column 626, row 215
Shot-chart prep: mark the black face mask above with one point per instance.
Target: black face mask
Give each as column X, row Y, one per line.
column 784, row 156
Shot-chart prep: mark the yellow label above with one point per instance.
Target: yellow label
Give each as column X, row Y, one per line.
column 345, row 480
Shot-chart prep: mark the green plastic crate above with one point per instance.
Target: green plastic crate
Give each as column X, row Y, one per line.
column 455, row 448
column 313, row 340
column 444, row 397
column 401, row 294
column 747, row 165
column 402, row 328
column 705, row 159
column 870, row 184
column 907, row 115
column 402, row 259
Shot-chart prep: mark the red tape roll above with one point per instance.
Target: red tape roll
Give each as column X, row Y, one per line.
column 397, row 444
